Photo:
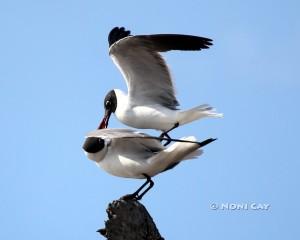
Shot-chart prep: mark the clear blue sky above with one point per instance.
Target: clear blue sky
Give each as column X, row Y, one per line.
column 55, row 71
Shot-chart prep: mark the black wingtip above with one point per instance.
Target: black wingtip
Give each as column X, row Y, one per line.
column 207, row 141
column 116, row 34
column 167, row 42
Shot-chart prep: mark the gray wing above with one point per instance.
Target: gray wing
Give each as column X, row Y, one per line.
column 137, row 148
column 146, row 73
column 113, row 133
column 129, row 143
column 122, row 133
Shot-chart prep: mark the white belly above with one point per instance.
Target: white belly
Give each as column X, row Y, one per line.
column 123, row 167
column 148, row 117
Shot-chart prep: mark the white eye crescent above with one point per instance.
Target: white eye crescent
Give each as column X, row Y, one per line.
column 107, row 142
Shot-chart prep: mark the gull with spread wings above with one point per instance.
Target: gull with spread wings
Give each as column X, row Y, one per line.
column 150, row 102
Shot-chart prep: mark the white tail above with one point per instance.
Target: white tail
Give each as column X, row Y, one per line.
column 174, row 154
column 182, row 151
column 195, row 113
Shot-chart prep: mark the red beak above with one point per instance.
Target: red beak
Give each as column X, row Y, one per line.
column 104, row 122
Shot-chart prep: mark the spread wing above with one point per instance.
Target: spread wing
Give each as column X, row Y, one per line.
column 145, row 71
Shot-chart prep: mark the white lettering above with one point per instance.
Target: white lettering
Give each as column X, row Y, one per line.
column 240, row 206
column 253, row 206
column 232, row 206
column 224, row 206
column 266, row 206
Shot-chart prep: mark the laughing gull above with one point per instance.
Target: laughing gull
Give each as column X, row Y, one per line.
column 131, row 154
column 150, row 102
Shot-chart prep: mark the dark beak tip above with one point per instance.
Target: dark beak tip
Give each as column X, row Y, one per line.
column 104, row 122
column 102, row 125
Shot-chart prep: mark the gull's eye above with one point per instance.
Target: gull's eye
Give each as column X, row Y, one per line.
column 108, row 104
column 101, row 143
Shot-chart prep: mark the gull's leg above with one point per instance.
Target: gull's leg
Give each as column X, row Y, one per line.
column 167, row 135
column 167, row 141
column 136, row 195
column 151, row 184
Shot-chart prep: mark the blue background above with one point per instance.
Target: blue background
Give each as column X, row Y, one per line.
column 55, row 71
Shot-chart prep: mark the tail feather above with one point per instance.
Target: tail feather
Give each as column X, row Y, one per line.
column 174, row 154
column 193, row 155
column 198, row 112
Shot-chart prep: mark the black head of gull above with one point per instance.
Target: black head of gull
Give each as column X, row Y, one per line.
column 110, row 101
column 110, row 106
column 93, row 144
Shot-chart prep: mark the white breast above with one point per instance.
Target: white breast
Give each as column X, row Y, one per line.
column 148, row 117
column 121, row 166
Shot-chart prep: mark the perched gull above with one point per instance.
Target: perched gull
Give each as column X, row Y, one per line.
column 150, row 102
column 131, row 154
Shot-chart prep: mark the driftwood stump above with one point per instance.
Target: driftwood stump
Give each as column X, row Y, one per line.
column 129, row 220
